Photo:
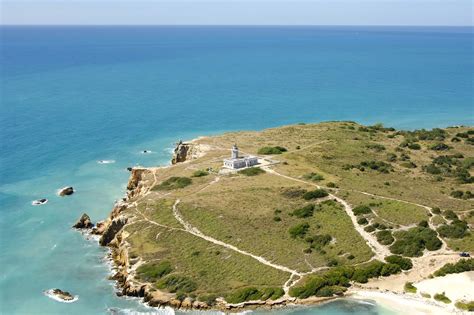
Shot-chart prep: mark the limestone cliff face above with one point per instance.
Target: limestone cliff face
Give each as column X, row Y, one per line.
column 182, row 152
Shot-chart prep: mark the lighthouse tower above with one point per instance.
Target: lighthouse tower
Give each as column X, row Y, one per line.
column 235, row 152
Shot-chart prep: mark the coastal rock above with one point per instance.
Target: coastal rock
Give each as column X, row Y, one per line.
column 112, row 229
column 62, row 295
column 84, row 222
column 99, row 228
column 66, row 191
column 181, row 152
column 157, row 298
column 187, row 303
column 200, row 305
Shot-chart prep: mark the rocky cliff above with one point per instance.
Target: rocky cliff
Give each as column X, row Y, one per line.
column 182, row 152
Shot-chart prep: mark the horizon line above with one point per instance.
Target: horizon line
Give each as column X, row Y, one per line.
column 244, row 25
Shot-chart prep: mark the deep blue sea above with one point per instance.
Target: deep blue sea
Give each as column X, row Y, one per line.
column 73, row 95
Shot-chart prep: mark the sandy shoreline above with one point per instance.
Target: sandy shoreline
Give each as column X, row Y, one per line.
column 401, row 303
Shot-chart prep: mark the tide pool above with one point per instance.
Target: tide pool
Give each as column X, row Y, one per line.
column 71, row 96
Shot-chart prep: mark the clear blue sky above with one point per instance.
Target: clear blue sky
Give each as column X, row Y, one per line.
column 238, row 12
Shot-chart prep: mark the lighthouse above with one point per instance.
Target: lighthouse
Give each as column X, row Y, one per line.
column 235, row 152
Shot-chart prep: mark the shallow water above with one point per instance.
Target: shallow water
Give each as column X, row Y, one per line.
column 73, row 96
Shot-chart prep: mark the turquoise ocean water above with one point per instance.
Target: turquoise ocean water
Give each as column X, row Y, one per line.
column 73, row 95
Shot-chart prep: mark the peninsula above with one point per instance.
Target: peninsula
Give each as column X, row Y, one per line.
column 298, row 214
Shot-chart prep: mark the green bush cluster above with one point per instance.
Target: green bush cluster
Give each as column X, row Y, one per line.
column 313, row 177
column 409, row 287
column 200, row 173
column 379, row 166
column 252, row 294
column 404, row 263
column 362, row 209
column 412, row 242
column 319, row 240
column 174, row 183
column 209, row 299
column 423, row 134
column 304, row 212
column 153, row 271
column 440, row 147
column 177, row 283
column 272, row 150
column 442, row 298
column 465, row 306
column 336, row 280
column 462, row 265
column 457, row 229
column 459, row 194
column 314, row 194
column 362, row 221
column 252, row 171
column 450, row 215
column 384, row 237
column 299, row 230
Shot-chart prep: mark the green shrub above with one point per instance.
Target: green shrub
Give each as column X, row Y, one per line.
column 313, row 177
column 414, row 146
column 242, row 295
column 462, row 265
column 318, row 241
column 361, row 210
column 369, row 229
column 412, row 242
column 384, row 237
column 304, row 212
column 251, row 171
column 409, row 287
column 450, row 215
column 457, row 229
column 457, row 194
column 362, row 221
column 432, row 169
column 465, row 306
column 404, row 263
column 436, row 210
column 200, row 173
column 299, row 230
column 174, row 183
column 272, row 293
column 153, row 271
column 390, row 269
column 440, row 147
column 442, row 298
column 272, row 150
column 408, row 164
column 175, row 283
column 331, row 185
column 209, row 299
column 314, row 194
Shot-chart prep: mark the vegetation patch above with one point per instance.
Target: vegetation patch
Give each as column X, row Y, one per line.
column 384, row 237
column 412, row 242
column 271, row 150
column 465, row 306
column 361, row 210
column 151, row 272
column 174, row 183
column 177, row 283
column 200, row 173
column 404, row 263
column 457, row 229
column 442, row 298
column 293, row 192
column 252, row 171
column 304, row 212
column 315, row 194
column 313, row 177
column 299, row 230
column 462, row 265
column 409, row 287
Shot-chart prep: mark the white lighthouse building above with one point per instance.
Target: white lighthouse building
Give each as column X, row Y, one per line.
column 236, row 162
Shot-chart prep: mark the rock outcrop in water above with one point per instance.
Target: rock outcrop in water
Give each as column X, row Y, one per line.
column 61, row 295
column 84, row 222
column 66, row 191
